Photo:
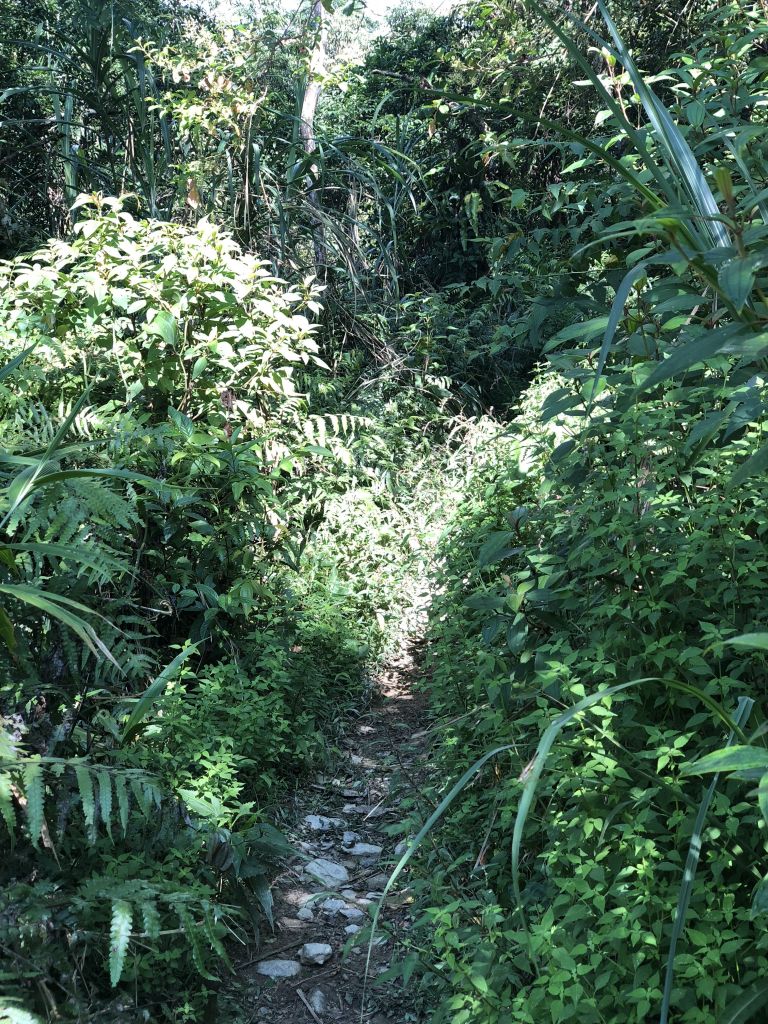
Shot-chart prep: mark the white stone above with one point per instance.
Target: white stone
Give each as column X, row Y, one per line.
column 349, row 838
column 305, row 914
column 400, row 849
column 319, row 822
column 327, row 872
column 352, row 913
column 365, row 850
column 352, row 929
column 349, row 894
column 317, row 1000
column 278, row 968
column 332, row 906
column 315, row 953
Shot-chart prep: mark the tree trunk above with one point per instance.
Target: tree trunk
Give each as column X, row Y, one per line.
column 317, row 30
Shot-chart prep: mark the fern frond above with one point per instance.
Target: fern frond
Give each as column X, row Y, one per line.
column 7, row 811
column 121, row 789
column 85, row 785
column 210, row 926
column 141, row 797
column 119, row 934
column 105, row 799
column 34, row 795
column 151, row 920
column 193, row 937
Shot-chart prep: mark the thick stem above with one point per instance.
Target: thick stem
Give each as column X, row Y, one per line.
column 317, row 29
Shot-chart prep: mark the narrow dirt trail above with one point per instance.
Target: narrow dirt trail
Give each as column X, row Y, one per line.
column 313, row 967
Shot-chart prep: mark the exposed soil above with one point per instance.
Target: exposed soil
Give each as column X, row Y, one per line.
column 384, row 753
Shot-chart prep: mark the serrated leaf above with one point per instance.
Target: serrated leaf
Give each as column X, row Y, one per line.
column 33, row 792
column 85, row 786
column 121, row 789
column 119, row 935
column 191, row 932
column 7, row 811
column 151, row 920
column 105, row 798
column 209, row 926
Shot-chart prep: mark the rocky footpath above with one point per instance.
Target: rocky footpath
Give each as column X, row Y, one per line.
column 314, row 966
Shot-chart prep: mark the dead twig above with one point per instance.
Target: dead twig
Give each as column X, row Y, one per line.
column 306, row 1002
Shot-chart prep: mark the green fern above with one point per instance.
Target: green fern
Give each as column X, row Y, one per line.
column 123, row 801
column 34, row 795
column 85, row 785
column 210, row 928
column 7, row 811
column 192, row 934
column 119, row 935
column 151, row 920
column 105, row 798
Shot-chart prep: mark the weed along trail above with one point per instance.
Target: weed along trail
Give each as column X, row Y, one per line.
column 313, row 967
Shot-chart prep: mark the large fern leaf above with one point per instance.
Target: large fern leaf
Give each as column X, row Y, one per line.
column 121, row 788
column 193, row 937
column 105, row 799
column 119, row 935
column 33, row 792
column 85, row 785
column 7, row 812
column 151, row 920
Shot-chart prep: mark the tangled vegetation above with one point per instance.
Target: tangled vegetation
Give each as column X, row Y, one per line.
column 307, row 323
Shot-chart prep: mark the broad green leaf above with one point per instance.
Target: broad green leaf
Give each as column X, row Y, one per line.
column 617, row 311
column 495, row 548
column 746, row 1006
column 729, row 759
column 737, row 279
column 164, row 326
column 751, row 641
column 693, row 352
column 762, row 797
column 143, row 706
column 754, row 465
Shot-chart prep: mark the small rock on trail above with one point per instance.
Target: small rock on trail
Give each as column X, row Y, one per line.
column 278, row 968
column 328, row 872
column 315, row 953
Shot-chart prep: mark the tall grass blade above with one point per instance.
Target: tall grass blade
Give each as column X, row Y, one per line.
column 746, row 1006
column 743, row 711
column 669, row 135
